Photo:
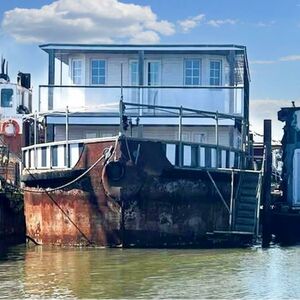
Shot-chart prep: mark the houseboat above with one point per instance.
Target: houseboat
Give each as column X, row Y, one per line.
column 286, row 205
column 15, row 101
column 141, row 146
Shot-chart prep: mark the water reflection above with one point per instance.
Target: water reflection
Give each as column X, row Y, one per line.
column 116, row 273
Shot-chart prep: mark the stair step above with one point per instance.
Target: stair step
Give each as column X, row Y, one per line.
column 245, row 221
column 246, row 206
column 248, row 186
column 250, row 177
column 248, row 192
column 245, row 214
column 247, row 199
column 244, row 228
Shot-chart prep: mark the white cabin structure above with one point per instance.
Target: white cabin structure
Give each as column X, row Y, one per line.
column 90, row 80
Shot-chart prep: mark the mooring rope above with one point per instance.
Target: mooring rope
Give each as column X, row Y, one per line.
column 109, row 151
column 106, row 155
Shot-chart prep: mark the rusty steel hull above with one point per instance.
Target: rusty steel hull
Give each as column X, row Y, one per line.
column 141, row 202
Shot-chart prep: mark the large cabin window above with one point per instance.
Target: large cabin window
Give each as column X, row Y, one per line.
column 7, row 97
column 98, row 71
column 192, row 71
column 215, row 72
column 76, row 71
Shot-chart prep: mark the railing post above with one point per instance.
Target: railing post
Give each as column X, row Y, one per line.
column 121, row 112
column 35, row 139
column 67, row 138
column 231, row 201
column 217, row 139
column 50, row 158
column 180, row 138
column 39, row 104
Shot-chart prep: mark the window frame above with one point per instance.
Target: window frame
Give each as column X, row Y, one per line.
column 91, row 71
column 81, row 70
column 159, row 73
column 11, row 97
column 192, row 76
column 220, row 74
column 130, row 72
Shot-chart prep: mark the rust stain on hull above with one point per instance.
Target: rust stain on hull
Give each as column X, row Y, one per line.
column 151, row 205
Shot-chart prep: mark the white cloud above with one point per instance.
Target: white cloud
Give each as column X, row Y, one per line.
column 261, row 109
column 86, row 21
column 265, row 24
column 262, row 62
column 218, row 23
column 191, row 22
column 290, row 58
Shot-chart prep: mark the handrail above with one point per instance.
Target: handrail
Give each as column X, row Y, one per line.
column 207, row 114
column 145, row 86
column 103, row 139
column 259, row 189
column 80, row 141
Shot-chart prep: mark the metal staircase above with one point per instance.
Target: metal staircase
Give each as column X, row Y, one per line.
column 246, row 203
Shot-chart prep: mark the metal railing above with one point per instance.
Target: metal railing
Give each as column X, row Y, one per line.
column 224, row 99
column 180, row 153
column 65, row 154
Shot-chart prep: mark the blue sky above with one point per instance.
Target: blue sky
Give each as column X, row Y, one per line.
column 270, row 29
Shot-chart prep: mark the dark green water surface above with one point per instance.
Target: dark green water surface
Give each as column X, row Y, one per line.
column 41, row 272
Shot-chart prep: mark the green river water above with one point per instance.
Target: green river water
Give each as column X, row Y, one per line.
column 41, row 272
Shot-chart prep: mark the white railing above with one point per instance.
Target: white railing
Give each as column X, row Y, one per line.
column 193, row 155
column 52, row 155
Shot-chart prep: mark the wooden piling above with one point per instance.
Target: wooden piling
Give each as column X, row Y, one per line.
column 266, row 192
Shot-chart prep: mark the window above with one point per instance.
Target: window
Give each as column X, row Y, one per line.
column 215, row 72
column 153, row 70
column 134, row 73
column 98, row 71
column 134, row 80
column 192, row 68
column 76, row 71
column 6, row 97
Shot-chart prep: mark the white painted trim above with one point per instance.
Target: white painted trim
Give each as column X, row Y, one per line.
column 187, row 155
column 171, row 153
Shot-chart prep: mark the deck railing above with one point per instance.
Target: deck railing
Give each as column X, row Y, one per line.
column 65, row 154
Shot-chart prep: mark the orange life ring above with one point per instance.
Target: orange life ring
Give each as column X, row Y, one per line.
column 10, row 128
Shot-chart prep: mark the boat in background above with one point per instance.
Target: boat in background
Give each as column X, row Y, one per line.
column 15, row 102
column 286, row 202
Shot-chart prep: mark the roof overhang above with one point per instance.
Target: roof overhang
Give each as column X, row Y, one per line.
column 84, row 48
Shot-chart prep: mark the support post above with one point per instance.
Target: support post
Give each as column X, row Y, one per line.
column 141, row 67
column 121, row 112
column 217, row 139
column 266, row 218
column 67, row 139
column 51, row 78
column 122, row 95
column 231, row 202
column 35, row 139
column 180, row 138
column 60, row 79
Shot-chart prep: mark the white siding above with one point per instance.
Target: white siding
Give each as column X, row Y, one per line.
column 172, row 67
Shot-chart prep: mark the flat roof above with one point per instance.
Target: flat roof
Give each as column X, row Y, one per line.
column 145, row 47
